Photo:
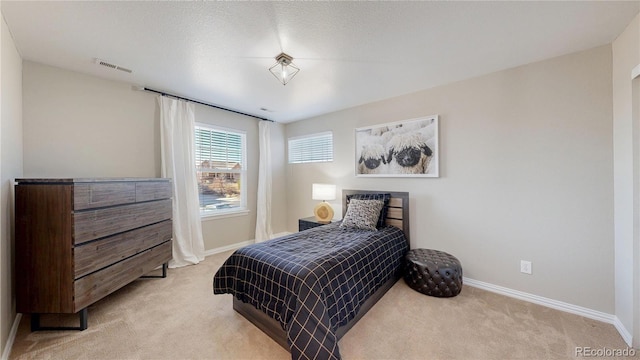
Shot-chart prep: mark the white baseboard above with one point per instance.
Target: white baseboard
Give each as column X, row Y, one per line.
column 228, row 248
column 281, row 234
column 12, row 337
column 238, row 245
column 626, row 335
column 554, row 304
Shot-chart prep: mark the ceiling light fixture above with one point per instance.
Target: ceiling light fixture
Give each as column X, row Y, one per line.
column 284, row 69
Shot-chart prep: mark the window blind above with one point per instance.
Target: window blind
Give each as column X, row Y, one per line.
column 311, row 148
column 218, row 150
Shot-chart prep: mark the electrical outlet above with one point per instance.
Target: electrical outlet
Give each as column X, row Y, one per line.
column 525, row 267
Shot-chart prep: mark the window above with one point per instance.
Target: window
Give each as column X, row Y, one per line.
column 311, row 148
column 220, row 169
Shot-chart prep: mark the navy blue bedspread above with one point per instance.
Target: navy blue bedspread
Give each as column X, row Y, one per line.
column 313, row 281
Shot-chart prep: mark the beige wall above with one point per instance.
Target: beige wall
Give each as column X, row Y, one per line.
column 10, row 168
column 77, row 125
column 626, row 56
column 525, row 174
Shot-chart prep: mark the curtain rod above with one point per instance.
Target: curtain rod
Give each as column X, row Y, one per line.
column 203, row 103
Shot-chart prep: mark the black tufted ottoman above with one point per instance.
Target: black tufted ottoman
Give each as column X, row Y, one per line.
column 433, row 272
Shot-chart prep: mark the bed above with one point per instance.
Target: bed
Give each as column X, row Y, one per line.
column 307, row 289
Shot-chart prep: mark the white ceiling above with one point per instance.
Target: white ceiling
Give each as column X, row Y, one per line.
column 349, row 53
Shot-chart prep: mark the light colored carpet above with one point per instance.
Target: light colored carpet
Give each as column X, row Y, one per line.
column 180, row 318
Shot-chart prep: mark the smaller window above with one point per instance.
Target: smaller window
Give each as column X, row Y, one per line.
column 311, row 148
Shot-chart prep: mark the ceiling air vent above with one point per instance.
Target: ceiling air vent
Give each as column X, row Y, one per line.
column 109, row 65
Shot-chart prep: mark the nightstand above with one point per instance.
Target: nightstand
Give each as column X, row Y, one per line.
column 309, row 223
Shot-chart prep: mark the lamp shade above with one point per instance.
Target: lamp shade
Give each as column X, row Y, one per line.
column 323, row 192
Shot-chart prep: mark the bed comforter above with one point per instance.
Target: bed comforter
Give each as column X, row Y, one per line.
column 313, row 281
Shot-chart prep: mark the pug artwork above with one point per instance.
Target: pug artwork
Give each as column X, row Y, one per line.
column 403, row 148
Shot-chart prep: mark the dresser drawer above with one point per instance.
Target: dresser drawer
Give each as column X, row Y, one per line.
column 102, row 194
column 153, row 190
column 94, row 195
column 94, row 224
column 94, row 287
column 96, row 255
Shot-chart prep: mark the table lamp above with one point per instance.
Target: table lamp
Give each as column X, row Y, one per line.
column 324, row 192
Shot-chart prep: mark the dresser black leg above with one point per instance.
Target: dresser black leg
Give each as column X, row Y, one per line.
column 164, row 273
column 35, row 322
column 83, row 315
column 84, row 319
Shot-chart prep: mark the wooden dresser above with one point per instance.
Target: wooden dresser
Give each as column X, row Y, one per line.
column 78, row 240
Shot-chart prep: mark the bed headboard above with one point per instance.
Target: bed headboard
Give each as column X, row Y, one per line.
column 398, row 209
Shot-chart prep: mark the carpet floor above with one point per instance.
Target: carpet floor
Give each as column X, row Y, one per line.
column 180, row 318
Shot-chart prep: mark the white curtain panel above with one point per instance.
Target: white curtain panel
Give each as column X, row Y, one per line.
column 177, row 130
column 263, row 213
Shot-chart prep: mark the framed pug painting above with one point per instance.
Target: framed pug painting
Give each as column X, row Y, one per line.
column 398, row 149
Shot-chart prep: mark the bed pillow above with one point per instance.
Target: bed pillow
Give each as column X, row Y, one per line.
column 362, row 214
column 384, row 197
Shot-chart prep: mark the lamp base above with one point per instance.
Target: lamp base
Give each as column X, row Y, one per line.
column 323, row 212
